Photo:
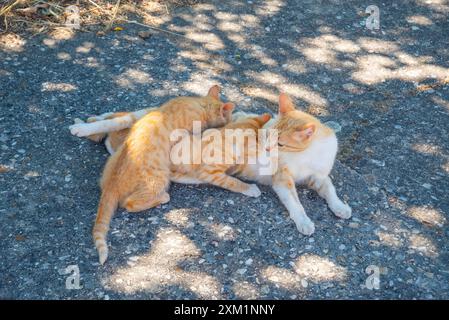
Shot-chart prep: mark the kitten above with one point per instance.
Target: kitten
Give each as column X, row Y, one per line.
column 213, row 140
column 223, row 155
column 136, row 177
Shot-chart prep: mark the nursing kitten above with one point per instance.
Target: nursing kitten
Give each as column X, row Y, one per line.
column 225, row 156
column 196, row 171
column 137, row 176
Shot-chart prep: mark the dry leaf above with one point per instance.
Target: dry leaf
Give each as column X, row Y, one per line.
column 144, row 34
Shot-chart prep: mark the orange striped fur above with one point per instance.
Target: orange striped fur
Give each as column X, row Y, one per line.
column 136, row 177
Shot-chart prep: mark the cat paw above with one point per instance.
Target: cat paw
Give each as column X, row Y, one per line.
column 341, row 210
column 306, row 227
column 252, row 191
column 78, row 129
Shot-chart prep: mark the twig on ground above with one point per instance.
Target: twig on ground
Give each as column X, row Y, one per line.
column 114, row 14
column 166, row 31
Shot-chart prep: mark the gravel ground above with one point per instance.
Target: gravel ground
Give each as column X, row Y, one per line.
column 384, row 89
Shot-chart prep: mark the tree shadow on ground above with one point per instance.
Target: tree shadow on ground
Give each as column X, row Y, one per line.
column 393, row 156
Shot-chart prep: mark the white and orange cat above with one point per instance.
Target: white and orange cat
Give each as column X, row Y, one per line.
column 136, row 177
column 306, row 154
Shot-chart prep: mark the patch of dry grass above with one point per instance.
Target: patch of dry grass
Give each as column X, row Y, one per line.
column 41, row 16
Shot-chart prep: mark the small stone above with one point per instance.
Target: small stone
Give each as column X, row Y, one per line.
column 231, row 220
column 231, row 202
column 144, row 34
column 241, row 271
column 427, row 185
column 334, row 126
column 354, row 225
column 352, row 88
column 265, row 289
column 249, row 262
column 67, row 178
column 378, row 163
column 414, row 28
column 342, row 247
column 304, row 283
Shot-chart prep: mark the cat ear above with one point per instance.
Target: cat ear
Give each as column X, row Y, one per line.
column 227, row 108
column 214, row 92
column 306, row 132
column 285, row 104
column 264, row 118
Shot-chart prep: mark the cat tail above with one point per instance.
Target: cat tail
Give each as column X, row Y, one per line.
column 106, row 208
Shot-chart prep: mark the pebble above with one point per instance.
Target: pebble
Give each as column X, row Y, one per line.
column 334, row 126
column 342, row 247
column 304, row 283
column 241, row 271
column 249, row 262
column 354, row 225
column 144, row 34
column 378, row 163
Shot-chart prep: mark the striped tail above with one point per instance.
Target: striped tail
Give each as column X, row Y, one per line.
column 108, row 205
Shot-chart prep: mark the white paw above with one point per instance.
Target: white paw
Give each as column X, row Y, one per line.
column 79, row 129
column 252, row 191
column 341, row 210
column 305, row 226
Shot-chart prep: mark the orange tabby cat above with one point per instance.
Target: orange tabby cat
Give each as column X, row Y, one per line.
column 214, row 172
column 225, row 156
column 136, row 177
